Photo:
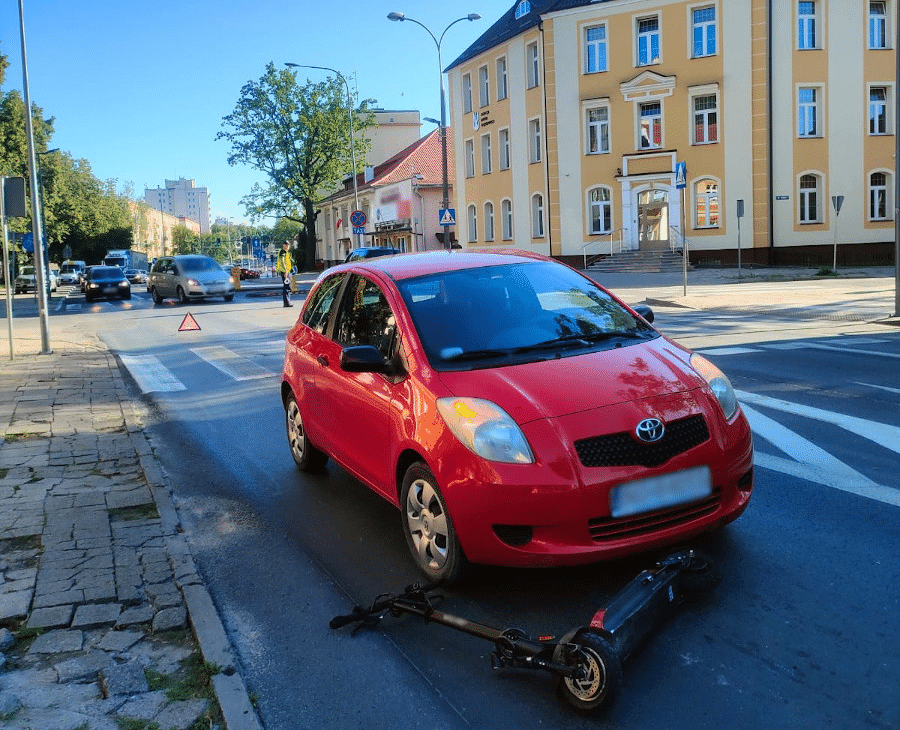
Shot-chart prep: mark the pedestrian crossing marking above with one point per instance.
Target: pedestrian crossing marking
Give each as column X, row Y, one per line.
column 150, row 374
column 231, row 363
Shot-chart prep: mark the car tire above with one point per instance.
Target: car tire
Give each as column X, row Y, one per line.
column 307, row 457
column 428, row 528
column 228, row 297
column 126, row 296
column 182, row 297
column 157, row 299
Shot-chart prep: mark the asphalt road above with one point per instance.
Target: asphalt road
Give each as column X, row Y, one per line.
column 801, row 633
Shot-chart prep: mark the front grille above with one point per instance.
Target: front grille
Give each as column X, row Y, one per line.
column 624, row 449
column 608, row 529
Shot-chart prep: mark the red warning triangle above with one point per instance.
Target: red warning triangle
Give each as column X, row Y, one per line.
column 188, row 323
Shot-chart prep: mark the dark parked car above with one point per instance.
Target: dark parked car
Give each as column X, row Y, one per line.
column 368, row 252
column 516, row 412
column 108, row 282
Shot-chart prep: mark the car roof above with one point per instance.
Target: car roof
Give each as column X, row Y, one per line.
column 409, row 265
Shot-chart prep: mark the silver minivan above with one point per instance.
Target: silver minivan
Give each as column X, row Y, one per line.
column 188, row 277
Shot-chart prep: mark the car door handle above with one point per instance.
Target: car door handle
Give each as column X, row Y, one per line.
column 322, row 360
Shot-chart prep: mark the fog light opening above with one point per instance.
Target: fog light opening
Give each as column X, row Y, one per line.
column 514, row 535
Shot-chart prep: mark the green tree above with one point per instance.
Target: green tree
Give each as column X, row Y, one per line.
column 299, row 136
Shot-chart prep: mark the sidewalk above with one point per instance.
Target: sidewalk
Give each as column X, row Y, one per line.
column 101, row 607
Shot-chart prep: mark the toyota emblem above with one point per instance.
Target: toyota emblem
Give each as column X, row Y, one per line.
column 650, row 430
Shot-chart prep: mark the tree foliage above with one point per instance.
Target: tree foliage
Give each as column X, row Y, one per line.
column 299, row 136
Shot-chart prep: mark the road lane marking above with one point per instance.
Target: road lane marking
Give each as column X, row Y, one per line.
column 150, row 374
column 874, row 353
column 230, row 363
column 879, row 387
column 728, row 350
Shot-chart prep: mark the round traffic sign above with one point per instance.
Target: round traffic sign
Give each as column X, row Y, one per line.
column 358, row 218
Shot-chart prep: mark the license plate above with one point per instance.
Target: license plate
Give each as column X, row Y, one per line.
column 659, row 492
column 109, row 290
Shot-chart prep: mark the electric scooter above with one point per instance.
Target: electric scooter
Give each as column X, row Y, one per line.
column 587, row 661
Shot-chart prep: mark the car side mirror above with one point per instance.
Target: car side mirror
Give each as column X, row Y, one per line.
column 644, row 311
column 364, row 359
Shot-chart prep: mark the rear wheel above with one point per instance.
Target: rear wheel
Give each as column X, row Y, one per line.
column 600, row 671
column 702, row 574
column 428, row 528
column 306, row 456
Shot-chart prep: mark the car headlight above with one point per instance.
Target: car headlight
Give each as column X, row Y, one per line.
column 193, row 282
column 486, row 430
column 718, row 383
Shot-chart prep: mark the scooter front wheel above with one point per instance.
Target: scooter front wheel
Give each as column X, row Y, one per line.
column 599, row 669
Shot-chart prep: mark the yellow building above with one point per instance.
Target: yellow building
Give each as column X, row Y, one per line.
column 586, row 127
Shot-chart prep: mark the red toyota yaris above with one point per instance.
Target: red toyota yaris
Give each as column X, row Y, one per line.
column 515, row 411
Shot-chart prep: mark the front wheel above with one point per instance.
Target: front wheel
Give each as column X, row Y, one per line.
column 306, row 456
column 428, row 528
column 229, row 297
column 182, row 296
column 600, row 670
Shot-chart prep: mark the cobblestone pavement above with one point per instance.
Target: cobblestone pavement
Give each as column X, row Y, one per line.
column 101, row 607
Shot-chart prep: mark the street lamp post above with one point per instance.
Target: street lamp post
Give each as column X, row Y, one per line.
column 352, row 133
column 438, row 42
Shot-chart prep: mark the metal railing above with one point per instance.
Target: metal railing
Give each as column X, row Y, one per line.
column 611, row 236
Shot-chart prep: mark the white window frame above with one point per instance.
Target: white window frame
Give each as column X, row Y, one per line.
column 537, row 215
column 887, row 190
column 808, row 26
column 878, row 27
column 604, row 208
column 532, row 65
column 488, row 221
column 535, row 141
column 887, row 109
column 467, row 93
column 486, row 156
column 706, row 197
column 658, row 123
column 700, row 92
column 472, row 218
column 803, row 199
column 646, row 39
column 506, row 219
column 503, row 149
column 502, row 78
column 596, row 130
column 810, row 110
column 596, row 50
column 484, row 86
column 470, row 157
column 708, row 31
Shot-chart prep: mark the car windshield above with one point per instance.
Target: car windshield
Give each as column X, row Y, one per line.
column 27, row 271
column 515, row 313
column 196, row 265
column 111, row 273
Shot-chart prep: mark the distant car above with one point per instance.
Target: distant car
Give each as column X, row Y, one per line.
column 136, row 276
column 106, row 282
column 249, row 274
column 188, row 277
column 368, row 252
column 515, row 411
column 26, row 281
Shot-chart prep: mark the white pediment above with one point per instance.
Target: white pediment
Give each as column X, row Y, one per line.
column 647, row 85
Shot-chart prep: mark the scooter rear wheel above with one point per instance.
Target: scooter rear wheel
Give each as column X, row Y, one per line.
column 601, row 670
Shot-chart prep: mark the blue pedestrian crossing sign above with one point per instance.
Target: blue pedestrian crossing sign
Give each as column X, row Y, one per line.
column 447, row 216
column 680, row 175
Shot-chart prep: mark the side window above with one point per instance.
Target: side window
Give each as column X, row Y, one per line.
column 315, row 316
column 365, row 318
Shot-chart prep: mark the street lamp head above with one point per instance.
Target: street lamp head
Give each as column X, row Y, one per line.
column 473, row 16
column 396, row 16
column 292, row 65
column 429, row 119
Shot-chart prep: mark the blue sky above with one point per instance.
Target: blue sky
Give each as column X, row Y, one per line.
column 139, row 89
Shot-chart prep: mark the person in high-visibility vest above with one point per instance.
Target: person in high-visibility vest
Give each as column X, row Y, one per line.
column 284, row 266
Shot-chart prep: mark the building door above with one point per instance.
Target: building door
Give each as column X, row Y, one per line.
column 653, row 219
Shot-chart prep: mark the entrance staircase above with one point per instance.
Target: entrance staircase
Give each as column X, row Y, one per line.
column 639, row 262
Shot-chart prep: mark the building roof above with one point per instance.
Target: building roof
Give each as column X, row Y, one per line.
column 509, row 26
column 423, row 157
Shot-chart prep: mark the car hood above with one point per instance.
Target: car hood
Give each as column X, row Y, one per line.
column 559, row 387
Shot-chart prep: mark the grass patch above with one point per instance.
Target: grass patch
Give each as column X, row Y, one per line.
column 12, row 438
column 192, row 681
column 139, row 512
column 826, row 271
column 130, row 723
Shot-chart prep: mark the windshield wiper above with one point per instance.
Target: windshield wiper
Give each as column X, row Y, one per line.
column 580, row 340
column 457, row 353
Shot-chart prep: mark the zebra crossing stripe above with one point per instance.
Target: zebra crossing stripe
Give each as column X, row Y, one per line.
column 150, row 374
column 230, row 363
